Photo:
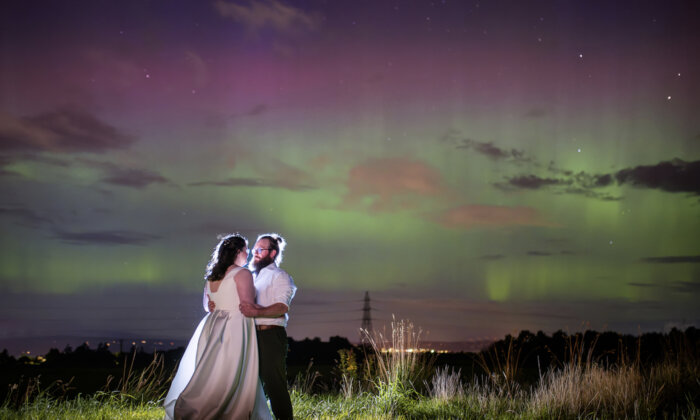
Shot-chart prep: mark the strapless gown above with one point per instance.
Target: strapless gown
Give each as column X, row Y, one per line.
column 217, row 377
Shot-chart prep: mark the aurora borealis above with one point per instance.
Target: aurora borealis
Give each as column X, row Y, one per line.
column 480, row 167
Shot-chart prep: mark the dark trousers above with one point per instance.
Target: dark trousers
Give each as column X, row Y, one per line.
column 272, row 351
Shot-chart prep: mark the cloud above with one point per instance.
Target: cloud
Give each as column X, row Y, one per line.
column 488, row 149
column 538, row 253
column 672, row 176
column 252, row 182
column 123, row 176
column 530, row 182
column 673, row 260
column 61, row 131
column 470, row 216
column 675, row 286
column 392, row 183
column 24, row 216
column 493, row 152
column 257, row 110
column 133, row 178
column 320, row 162
column 34, row 157
column 593, row 180
column 258, row 15
column 254, row 111
column 568, row 183
column 105, row 237
column 590, row 194
column 551, row 167
column 273, row 174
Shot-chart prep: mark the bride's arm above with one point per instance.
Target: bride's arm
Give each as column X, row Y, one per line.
column 205, row 300
column 244, row 286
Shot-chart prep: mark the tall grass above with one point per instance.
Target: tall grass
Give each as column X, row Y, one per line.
column 138, row 395
column 398, row 361
column 446, row 384
column 148, row 384
column 502, row 366
column 403, row 384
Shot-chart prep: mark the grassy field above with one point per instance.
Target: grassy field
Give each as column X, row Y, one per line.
column 404, row 385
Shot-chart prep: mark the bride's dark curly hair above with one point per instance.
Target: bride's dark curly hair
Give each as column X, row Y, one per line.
column 224, row 255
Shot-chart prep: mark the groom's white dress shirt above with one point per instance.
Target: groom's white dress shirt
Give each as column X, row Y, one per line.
column 273, row 285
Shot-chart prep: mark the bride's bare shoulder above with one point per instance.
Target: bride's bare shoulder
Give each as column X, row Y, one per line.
column 243, row 274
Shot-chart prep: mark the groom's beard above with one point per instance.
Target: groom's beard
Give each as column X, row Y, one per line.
column 264, row 262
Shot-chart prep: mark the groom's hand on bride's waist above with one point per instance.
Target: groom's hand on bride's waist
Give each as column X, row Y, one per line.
column 211, row 305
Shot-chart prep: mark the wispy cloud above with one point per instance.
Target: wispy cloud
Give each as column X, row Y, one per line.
column 488, row 149
column 123, row 176
column 272, row 173
column 105, row 237
column 673, row 259
column 391, row 184
column 133, row 178
column 254, row 111
column 530, row 182
column 491, row 151
column 252, row 182
column 676, row 176
column 24, row 216
column 257, row 15
column 471, row 216
column 672, row 176
column 61, row 131
column 674, row 286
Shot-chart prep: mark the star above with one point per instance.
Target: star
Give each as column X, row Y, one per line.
column 580, row 56
column 668, row 98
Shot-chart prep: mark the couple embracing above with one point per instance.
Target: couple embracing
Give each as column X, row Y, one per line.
column 237, row 353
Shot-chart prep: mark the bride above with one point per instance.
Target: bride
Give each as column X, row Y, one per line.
column 218, row 375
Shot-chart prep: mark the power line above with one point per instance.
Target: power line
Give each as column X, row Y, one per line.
column 367, row 315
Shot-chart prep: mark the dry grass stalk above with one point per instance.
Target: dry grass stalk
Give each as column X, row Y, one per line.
column 446, row 384
column 590, row 388
column 304, row 381
column 502, row 366
column 398, row 361
column 150, row 383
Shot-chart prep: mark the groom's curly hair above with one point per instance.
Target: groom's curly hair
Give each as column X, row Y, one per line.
column 224, row 255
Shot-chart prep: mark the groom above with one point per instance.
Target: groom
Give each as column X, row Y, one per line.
column 274, row 292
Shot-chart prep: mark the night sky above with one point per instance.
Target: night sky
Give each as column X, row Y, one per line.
column 479, row 167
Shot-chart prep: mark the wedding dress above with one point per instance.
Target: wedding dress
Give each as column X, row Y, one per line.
column 218, row 375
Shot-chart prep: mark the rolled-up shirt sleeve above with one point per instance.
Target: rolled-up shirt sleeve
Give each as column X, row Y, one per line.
column 282, row 289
